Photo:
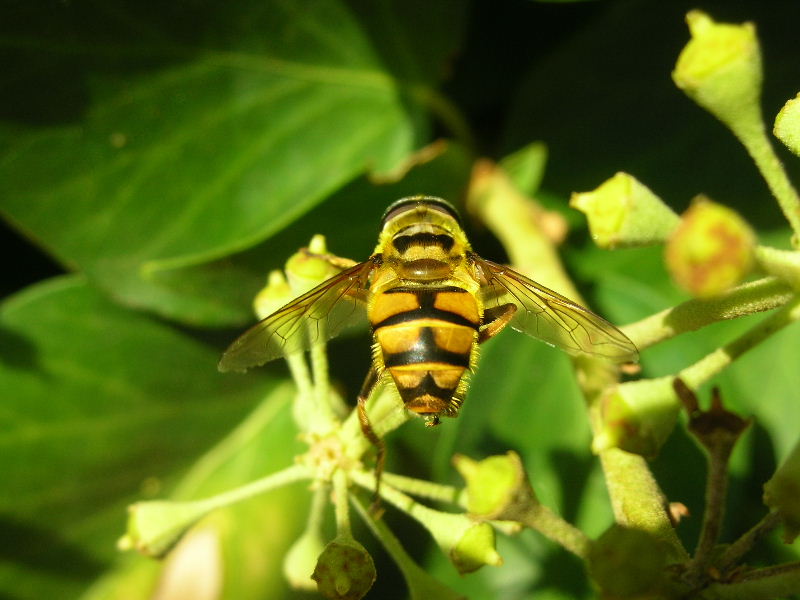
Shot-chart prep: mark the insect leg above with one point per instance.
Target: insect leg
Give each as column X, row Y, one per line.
column 370, row 382
column 495, row 319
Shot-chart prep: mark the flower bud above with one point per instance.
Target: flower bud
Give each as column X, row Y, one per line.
column 497, row 487
column 711, row 250
column 637, row 416
column 782, row 493
column 475, row 548
column 272, row 296
column 787, row 125
column 720, row 69
column 623, row 212
column 307, row 268
column 155, row 527
column 344, row 570
column 626, row 563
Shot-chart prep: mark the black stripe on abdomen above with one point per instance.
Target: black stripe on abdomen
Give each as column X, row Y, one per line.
column 426, row 298
column 425, row 350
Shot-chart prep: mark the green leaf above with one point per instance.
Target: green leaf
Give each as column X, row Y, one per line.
column 236, row 552
column 185, row 164
column 100, row 406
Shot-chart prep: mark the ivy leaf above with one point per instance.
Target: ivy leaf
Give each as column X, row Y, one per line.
column 99, row 406
column 242, row 132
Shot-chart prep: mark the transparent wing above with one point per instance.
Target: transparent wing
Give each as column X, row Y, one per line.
column 318, row 314
column 551, row 317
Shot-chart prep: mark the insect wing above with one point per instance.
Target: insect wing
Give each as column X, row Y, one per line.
column 318, row 314
column 551, row 317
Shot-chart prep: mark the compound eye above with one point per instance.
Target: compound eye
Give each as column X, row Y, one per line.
column 430, row 202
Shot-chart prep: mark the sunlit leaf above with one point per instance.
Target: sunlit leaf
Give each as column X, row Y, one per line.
column 100, row 406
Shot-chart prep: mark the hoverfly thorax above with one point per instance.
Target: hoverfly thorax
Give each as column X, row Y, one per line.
column 422, row 240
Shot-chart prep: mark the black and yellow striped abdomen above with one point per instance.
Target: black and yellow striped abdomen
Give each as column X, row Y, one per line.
column 426, row 336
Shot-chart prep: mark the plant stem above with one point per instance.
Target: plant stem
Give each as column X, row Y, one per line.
column 556, row 529
column 780, row 263
column 756, row 296
column 738, row 549
column 424, row 489
column 325, row 417
column 716, row 361
column 421, row 585
column 716, row 491
column 340, row 503
column 757, row 143
column 254, row 488
column 781, row 581
column 637, row 499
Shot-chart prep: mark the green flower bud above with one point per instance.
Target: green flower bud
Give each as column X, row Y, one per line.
column 475, row 548
column 272, row 296
column 626, row 563
column 307, row 268
column 782, row 493
column 711, row 250
column 155, row 527
column 344, row 570
column 638, row 416
column 623, row 212
column 301, row 560
column 497, row 487
column 468, row 544
column 720, row 69
column 787, row 125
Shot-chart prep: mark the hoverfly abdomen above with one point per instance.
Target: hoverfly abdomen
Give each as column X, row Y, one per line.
column 426, row 338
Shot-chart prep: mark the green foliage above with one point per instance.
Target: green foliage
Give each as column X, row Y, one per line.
column 169, row 156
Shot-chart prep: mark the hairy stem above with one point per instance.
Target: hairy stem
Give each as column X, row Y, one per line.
column 757, row 296
column 757, row 143
column 340, row 503
column 716, row 491
column 556, row 529
column 781, row 581
column 738, row 549
column 716, row 361
column 424, row 489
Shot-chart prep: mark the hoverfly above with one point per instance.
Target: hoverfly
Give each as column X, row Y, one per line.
column 430, row 301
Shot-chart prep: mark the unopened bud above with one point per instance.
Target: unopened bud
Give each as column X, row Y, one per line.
column 497, row 487
column 475, row 548
column 155, row 527
column 344, row 570
column 272, row 296
column 711, row 250
column 623, row 212
column 787, row 125
column 637, row 416
column 720, row 69
column 308, row 267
